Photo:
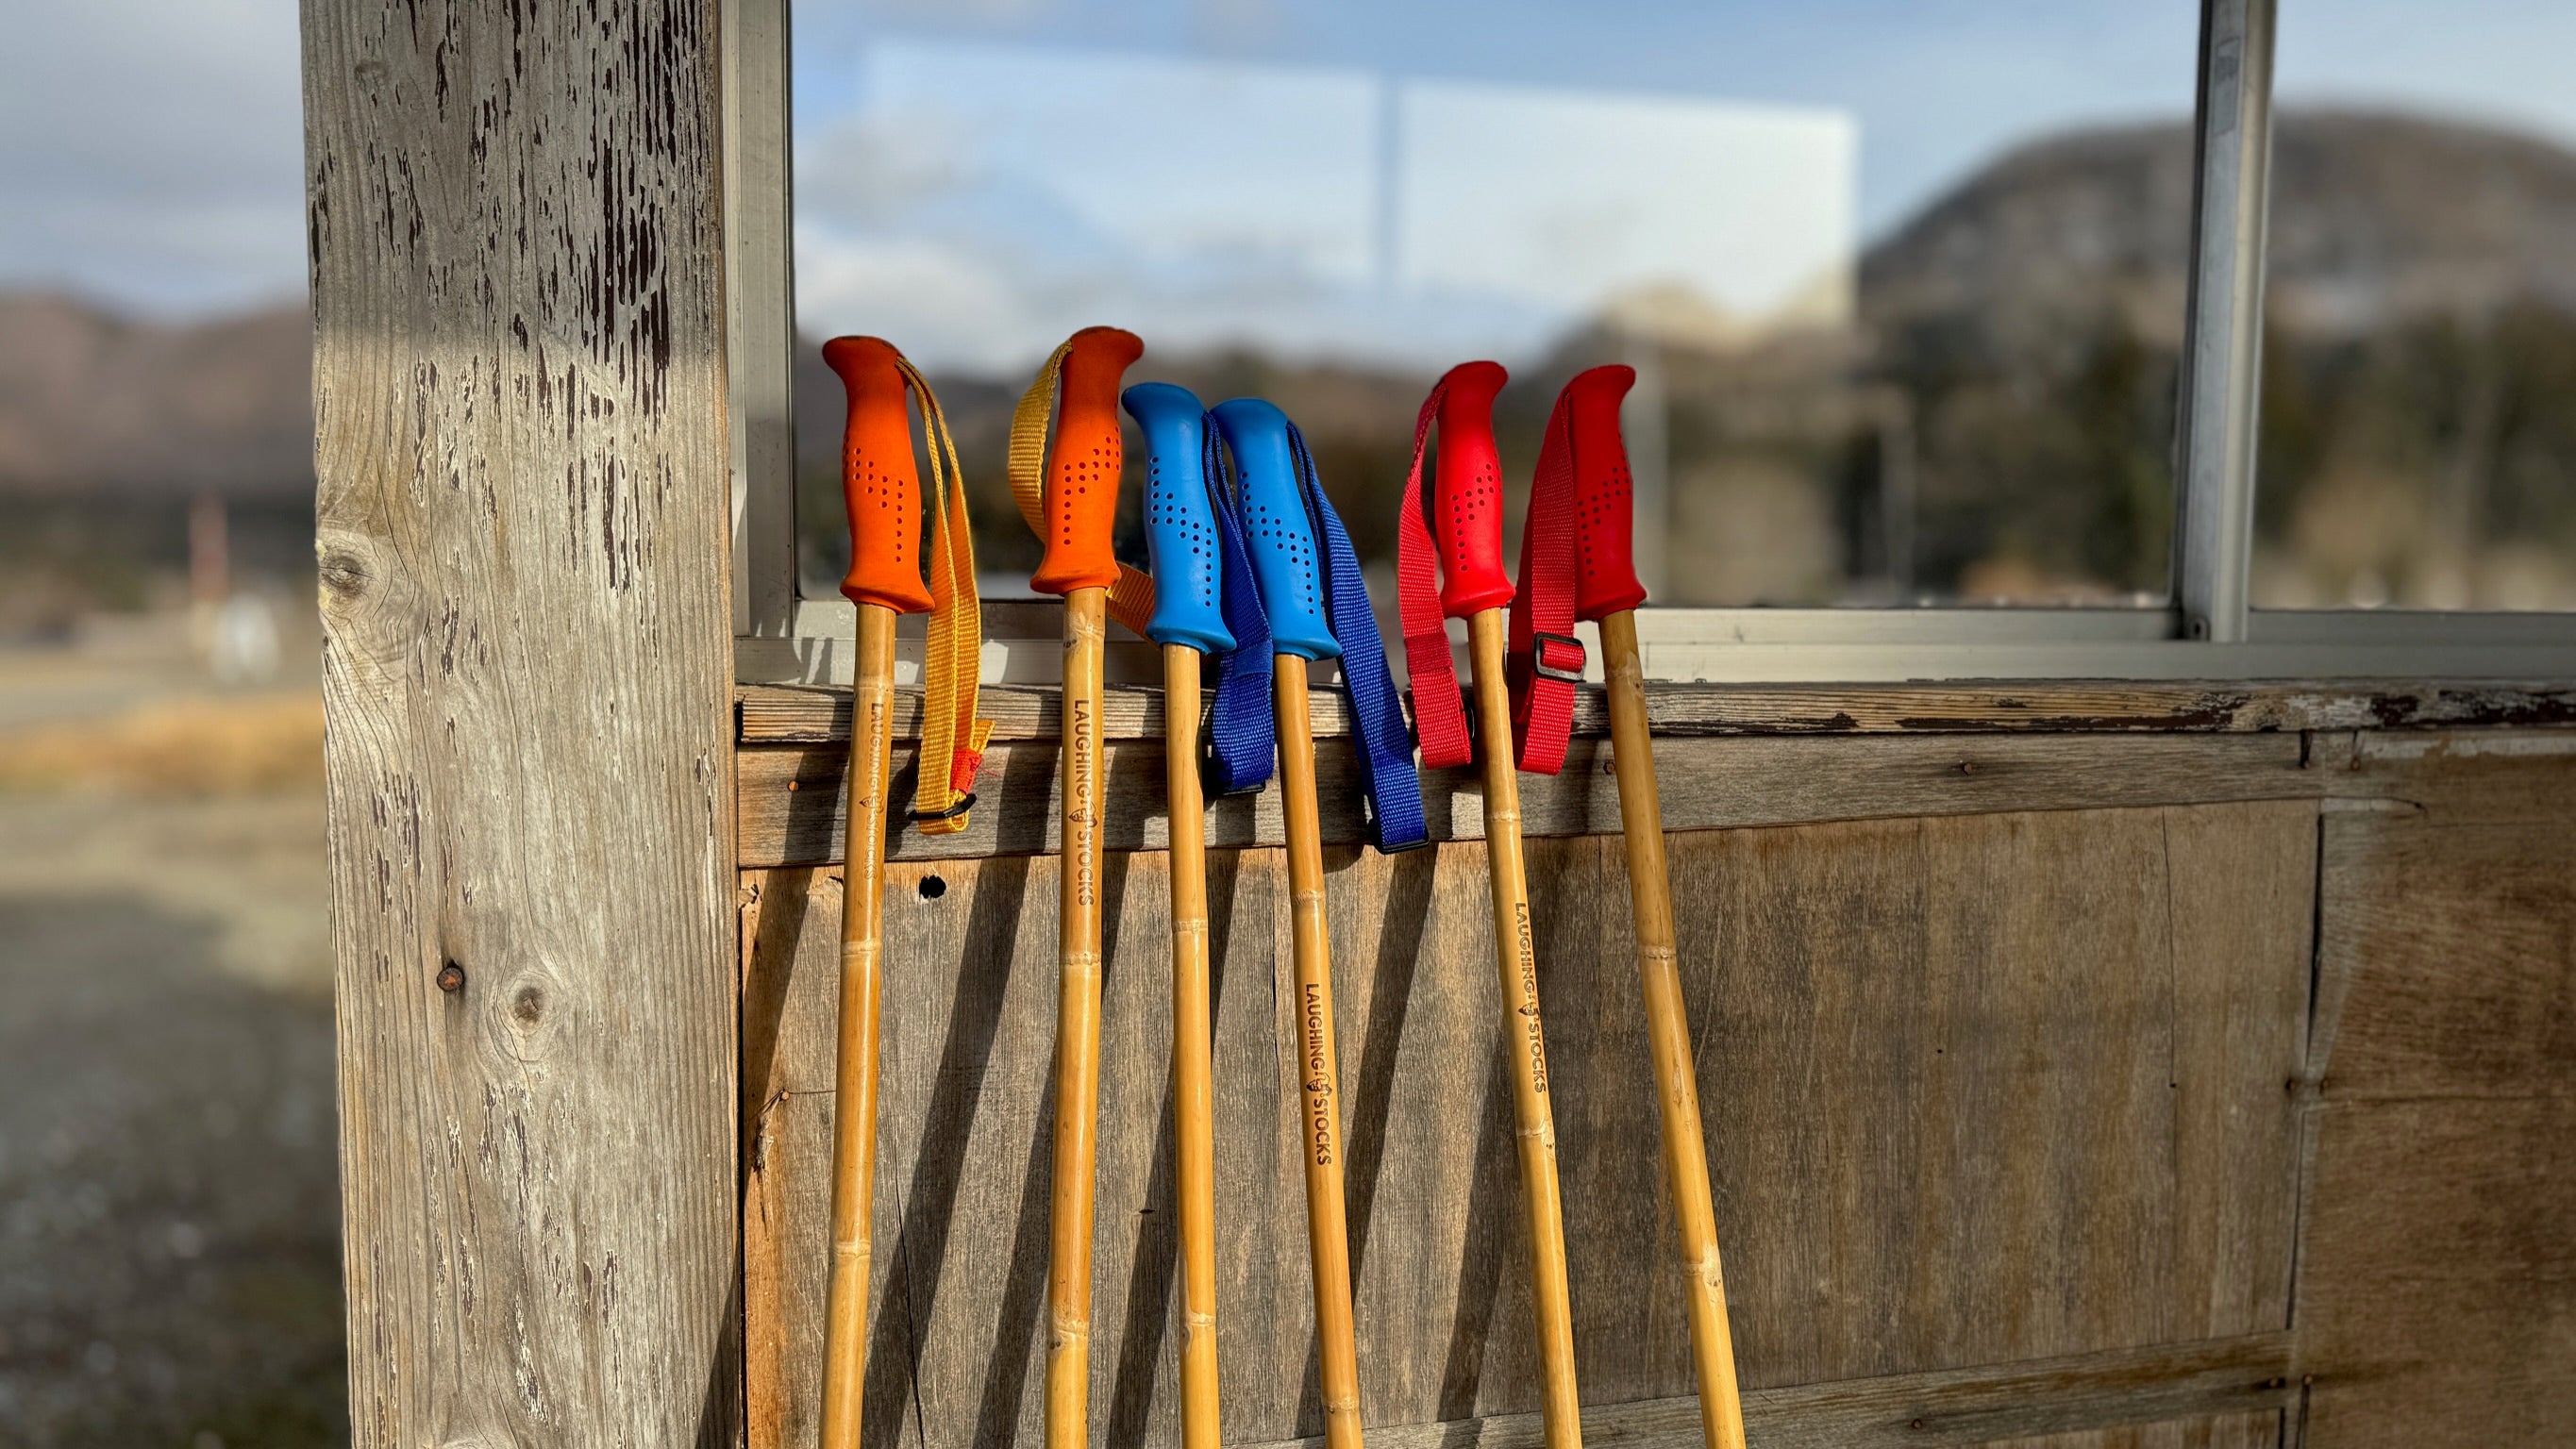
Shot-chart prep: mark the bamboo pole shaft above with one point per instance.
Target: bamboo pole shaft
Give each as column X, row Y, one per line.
column 1077, row 1036
column 1641, row 818
column 854, row 1120
column 1328, row 1243
column 1516, row 960
column 1078, row 1033
column 1193, row 1088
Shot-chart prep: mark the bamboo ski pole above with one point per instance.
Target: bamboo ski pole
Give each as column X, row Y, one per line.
column 1077, row 1041
column 1188, row 622
column 882, row 491
column 1516, row 961
column 1075, row 514
column 1193, row 1071
column 1668, row 1033
column 1469, row 511
column 1607, row 590
column 1328, row 1244
column 1285, row 561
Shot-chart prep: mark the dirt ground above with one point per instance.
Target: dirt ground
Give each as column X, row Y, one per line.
column 169, row 1238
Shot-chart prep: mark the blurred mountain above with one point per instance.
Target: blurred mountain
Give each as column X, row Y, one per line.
column 96, row 404
column 2376, row 218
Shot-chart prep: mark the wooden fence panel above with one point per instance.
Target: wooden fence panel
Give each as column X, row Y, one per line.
column 1954, row 1125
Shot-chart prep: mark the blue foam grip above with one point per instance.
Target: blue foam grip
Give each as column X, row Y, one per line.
column 1285, row 560
column 1180, row 524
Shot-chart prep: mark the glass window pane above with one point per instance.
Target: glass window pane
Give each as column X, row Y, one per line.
column 1903, row 282
column 2419, row 369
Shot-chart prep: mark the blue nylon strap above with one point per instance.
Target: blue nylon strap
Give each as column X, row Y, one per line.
column 1242, row 749
column 1386, row 744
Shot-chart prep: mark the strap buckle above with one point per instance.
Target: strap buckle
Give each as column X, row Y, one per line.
column 964, row 803
column 1549, row 652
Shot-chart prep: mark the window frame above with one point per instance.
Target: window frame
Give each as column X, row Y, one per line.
column 2208, row 629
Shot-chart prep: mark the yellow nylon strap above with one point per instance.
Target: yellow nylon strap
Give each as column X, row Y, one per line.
column 952, row 738
column 1131, row 599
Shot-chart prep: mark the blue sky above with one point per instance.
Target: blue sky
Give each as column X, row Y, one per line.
column 151, row 149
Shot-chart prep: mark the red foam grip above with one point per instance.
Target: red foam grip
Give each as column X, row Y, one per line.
column 1467, row 500
column 879, row 483
column 1083, row 467
column 1605, row 558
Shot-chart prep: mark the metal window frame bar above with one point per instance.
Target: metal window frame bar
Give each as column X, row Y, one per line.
column 2221, row 385
column 760, row 319
column 2210, row 632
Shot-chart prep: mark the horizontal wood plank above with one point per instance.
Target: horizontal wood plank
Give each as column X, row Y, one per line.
column 791, row 714
column 790, row 810
column 2246, row 1377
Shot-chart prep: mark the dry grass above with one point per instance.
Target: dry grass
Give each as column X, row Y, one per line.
column 209, row 744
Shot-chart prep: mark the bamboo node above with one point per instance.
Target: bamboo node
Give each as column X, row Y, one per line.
column 1708, row 1271
column 1658, row 955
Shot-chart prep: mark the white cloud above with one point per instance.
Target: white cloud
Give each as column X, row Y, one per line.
column 1567, row 199
column 152, row 151
column 981, row 201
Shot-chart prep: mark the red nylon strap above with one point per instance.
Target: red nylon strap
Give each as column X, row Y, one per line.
column 1545, row 659
column 1439, row 715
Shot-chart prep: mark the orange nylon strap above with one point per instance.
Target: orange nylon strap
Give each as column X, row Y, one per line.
column 1131, row 599
column 952, row 665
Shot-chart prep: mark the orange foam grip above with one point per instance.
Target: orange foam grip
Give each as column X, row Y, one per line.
column 1082, row 470
column 879, row 483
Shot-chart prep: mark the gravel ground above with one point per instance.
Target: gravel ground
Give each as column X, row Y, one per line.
column 169, row 1213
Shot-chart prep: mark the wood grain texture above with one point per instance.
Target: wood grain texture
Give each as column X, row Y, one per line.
column 2437, row 1283
column 2448, row 960
column 2437, row 1298
column 2017, row 983
column 2220, row 1394
column 803, row 714
column 790, row 809
column 522, row 510
column 2078, row 1169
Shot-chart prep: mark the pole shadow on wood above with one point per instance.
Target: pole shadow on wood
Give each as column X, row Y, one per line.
column 1399, row 952
column 930, row 1197
column 1482, row 1248
column 720, row 1409
column 786, row 893
column 1151, row 1274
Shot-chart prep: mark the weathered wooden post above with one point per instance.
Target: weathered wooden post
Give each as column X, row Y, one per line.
column 519, row 388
